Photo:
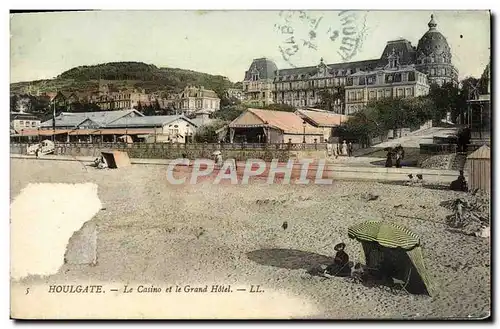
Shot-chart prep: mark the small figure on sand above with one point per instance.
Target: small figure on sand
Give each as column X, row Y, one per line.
column 100, row 163
column 350, row 149
column 340, row 266
column 218, row 158
column 460, row 184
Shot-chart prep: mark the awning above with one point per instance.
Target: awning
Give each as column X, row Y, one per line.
column 80, row 132
column 124, row 131
column 41, row 132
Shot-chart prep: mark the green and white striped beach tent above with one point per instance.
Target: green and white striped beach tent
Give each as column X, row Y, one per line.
column 399, row 250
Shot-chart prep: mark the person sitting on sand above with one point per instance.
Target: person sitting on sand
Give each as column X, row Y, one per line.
column 460, row 184
column 340, row 266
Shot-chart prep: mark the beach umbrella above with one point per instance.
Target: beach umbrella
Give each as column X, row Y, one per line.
column 386, row 234
column 399, row 245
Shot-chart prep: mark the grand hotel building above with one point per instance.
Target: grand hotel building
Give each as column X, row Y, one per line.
column 402, row 71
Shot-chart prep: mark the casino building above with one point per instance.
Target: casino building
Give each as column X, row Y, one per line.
column 403, row 70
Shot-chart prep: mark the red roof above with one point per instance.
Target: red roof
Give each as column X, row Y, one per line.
column 288, row 122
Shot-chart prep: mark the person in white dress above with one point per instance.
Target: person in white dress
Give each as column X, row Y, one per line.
column 344, row 148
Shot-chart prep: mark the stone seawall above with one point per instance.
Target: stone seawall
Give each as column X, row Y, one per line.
column 159, row 151
column 442, row 156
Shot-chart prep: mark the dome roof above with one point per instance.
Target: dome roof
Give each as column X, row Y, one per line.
column 265, row 67
column 433, row 42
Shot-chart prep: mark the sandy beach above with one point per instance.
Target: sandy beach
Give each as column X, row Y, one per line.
column 153, row 232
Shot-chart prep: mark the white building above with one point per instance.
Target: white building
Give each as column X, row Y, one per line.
column 194, row 99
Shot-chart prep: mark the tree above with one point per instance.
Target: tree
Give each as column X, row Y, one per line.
column 332, row 101
column 327, row 100
column 485, row 79
column 380, row 116
column 279, row 107
column 361, row 126
column 13, row 103
column 229, row 113
column 208, row 133
column 149, row 110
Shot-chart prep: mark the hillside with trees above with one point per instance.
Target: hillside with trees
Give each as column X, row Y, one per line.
column 127, row 75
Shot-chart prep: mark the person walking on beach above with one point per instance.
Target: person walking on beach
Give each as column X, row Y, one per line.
column 350, row 149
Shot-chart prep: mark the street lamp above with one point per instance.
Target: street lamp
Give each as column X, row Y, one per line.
column 304, row 136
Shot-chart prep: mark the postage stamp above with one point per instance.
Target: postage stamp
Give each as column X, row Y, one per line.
column 187, row 165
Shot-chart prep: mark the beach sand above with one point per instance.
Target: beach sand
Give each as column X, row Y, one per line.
column 152, row 232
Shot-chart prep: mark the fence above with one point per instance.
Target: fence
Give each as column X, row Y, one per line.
column 238, row 151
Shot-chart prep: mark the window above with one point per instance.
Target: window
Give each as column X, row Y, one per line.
column 380, row 94
column 409, row 92
column 358, row 95
column 387, row 93
column 433, row 71
column 388, row 78
column 33, row 124
column 372, row 95
column 397, row 77
column 21, row 123
column 411, row 76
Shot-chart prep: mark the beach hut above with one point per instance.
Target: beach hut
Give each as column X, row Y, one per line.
column 478, row 167
column 395, row 251
column 116, row 159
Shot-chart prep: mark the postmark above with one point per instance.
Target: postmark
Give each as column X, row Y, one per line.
column 303, row 33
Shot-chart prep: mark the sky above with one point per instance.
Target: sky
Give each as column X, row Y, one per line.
column 43, row 45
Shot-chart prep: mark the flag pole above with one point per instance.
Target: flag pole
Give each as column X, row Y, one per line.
column 54, row 119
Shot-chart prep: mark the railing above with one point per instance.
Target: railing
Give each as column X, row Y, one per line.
column 190, row 146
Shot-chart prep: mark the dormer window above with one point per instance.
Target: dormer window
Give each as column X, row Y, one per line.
column 255, row 75
column 393, row 59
